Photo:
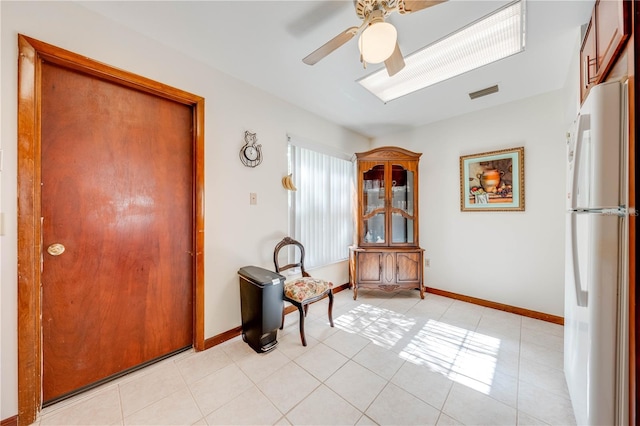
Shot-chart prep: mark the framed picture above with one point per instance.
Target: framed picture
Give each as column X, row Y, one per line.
column 492, row 181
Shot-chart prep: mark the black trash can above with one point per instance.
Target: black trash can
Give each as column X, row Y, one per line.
column 261, row 303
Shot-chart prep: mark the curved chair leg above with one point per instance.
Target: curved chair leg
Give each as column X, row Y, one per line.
column 306, row 310
column 282, row 322
column 302, row 337
column 331, row 307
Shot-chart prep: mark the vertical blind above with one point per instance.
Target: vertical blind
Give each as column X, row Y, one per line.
column 321, row 216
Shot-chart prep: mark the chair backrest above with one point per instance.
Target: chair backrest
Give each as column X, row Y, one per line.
column 287, row 243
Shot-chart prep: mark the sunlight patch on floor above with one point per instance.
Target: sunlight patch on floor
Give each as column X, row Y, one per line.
column 464, row 356
column 359, row 318
column 383, row 327
column 389, row 329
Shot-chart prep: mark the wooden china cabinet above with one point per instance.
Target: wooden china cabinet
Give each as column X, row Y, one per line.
column 387, row 253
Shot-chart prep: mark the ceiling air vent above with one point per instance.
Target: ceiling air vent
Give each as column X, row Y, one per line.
column 484, row 92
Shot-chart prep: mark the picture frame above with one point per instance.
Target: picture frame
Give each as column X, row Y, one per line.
column 492, row 181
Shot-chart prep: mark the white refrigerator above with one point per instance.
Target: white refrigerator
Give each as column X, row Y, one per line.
column 596, row 285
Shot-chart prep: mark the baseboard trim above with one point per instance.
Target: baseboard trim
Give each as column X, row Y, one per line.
column 221, row 338
column 500, row 306
column 230, row 334
column 10, row 421
column 234, row 332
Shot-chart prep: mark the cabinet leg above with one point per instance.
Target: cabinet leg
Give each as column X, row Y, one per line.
column 355, row 292
column 421, row 292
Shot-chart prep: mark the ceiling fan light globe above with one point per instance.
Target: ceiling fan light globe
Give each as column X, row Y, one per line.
column 377, row 42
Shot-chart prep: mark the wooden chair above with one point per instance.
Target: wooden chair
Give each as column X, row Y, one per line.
column 304, row 290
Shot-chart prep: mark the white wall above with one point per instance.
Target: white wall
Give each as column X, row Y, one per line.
column 515, row 258
column 236, row 234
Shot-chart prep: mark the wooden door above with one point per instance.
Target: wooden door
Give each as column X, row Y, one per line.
column 117, row 195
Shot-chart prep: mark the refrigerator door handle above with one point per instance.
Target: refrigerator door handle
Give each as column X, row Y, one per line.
column 582, row 296
column 584, row 122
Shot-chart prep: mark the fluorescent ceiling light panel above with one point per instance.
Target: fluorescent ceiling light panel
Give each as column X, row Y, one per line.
column 494, row 37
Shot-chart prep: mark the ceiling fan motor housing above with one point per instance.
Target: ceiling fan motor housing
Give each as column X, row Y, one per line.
column 365, row 7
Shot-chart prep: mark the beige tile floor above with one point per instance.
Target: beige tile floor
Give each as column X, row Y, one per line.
column 391, row 359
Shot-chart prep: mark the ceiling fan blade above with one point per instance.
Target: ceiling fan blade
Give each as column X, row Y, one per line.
column 410, row 6
column 330, row 46
column 319, row 13
column 395, row 62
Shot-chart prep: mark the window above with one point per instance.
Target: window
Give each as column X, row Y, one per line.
column 321, row 216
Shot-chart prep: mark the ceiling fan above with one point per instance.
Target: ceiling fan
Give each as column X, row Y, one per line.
column 378, row 39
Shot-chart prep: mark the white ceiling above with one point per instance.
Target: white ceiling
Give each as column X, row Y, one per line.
column 263, row 43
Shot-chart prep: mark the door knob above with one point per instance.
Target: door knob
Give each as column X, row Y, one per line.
column 55, row 249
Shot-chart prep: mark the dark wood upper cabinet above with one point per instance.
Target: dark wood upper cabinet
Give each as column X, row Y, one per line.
column 613, row 27
column 604, row 39
column 588, row 60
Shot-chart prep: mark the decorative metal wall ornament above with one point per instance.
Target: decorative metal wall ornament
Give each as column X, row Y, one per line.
column 250, row 153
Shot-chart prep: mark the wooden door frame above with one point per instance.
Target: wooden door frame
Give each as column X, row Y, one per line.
column 32, row 53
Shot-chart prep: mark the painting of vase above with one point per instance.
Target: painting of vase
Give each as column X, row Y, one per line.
column 487, row 180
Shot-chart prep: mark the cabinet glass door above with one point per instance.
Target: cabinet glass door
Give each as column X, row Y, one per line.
column 402, row 199
column 374, row 208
